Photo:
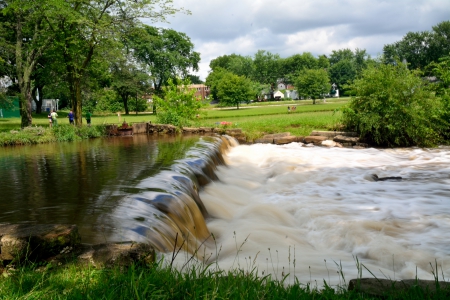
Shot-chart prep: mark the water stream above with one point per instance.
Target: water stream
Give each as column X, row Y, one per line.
column 310, row 212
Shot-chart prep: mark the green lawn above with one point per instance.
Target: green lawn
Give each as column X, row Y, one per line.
column 255, row 120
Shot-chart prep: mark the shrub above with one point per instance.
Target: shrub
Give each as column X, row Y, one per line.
column 392, row 106
column 179, row 106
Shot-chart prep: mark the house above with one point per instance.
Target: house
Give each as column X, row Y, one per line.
column 48, row 105
column 278, row 95
column 201, row 91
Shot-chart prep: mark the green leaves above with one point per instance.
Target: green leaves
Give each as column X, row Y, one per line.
column 394, row 107
column 179, row 106
column 313, row 83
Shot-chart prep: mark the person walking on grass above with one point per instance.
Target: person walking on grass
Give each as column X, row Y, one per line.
column 49, row 119
column 54, row 118
column 70, row 116
column 88, row 118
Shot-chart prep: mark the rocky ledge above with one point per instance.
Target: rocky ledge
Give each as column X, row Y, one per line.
column 59, row 243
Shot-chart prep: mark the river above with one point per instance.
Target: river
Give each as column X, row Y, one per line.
column 314, row 213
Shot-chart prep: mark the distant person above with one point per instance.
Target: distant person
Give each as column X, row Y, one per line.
column 49, row 119
column 70, row 116
column 54, row 118
column 289, row 108
column 88, row 118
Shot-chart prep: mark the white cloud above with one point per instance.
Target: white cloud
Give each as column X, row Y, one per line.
column 287, row 27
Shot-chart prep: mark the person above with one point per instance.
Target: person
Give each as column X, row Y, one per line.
column 88, row 118
column 289, row 108
column 49, row 118
column 54, row 118
column 70, row 116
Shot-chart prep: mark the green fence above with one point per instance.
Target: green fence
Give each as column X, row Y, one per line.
column 11, row 112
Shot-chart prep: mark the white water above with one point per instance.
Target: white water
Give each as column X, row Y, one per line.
column 323, row 202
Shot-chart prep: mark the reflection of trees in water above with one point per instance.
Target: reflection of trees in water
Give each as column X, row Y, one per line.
column 69, row 182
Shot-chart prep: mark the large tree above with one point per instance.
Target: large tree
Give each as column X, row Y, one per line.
column 234, row 89
column 85, row 26
column 24, row 36
column 419, row 49
column 313, row 83
column 166, row 54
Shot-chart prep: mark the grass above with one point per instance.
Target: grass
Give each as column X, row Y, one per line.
column 160, row 280
column 255, row 120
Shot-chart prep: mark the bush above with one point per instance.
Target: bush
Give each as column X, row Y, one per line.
column 179, row 106
column 393, row 106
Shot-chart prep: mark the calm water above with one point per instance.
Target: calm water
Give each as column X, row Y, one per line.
column 83, row 183
column 282, row 209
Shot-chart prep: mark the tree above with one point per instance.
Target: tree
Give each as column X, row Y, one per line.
column 393, row 106
column 25, row 36
column 179, row 105
column 237, row 64
column 213, row 80
column 85, row 26
column 234, row 89
column 166, row 54
column 313, row 83
column 420, row 49
column 267, row 68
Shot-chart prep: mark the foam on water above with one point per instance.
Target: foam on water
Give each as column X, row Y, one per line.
column 321, row 207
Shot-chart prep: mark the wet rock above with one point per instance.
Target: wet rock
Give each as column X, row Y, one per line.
column 276, row 135
column 140, row 128
column 329, row 143
column 383, row 287
column 392, row 178
column 190, row 130
column 346, row 139
column 264, row 141
column 332, row 134
column 316, row 140
column 111, row 255
column 234, row 131
column 206, row 129
column 25, row 241
column 285, row 140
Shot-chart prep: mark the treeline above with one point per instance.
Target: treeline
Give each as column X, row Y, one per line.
column 92, row 55
column 313, row 76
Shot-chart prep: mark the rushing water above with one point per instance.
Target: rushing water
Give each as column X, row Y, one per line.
column 305, row 211
column 321, row 207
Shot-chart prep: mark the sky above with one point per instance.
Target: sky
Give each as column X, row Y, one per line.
column 288, row 27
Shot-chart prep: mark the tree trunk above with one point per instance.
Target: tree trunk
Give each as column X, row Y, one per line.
column 125, row 103
column 25, row 102
column 77, row 103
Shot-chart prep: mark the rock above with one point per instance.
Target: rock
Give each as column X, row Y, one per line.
column 285, row 140
column 346, row 139
column 234, row 131
column 190, row 130
column 332, row 134
column 316, row 140
column 358, row 147
column 329, row 143
column 264, row 141
column 393, row 178
column 25, row 241
column 206, row 129
column 111, row 255
column 140, row 128
column 382, row 287
column 276, row 135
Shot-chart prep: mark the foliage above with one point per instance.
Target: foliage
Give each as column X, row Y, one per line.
column 179, row 106
column 313, row 83
column 213, row 80
column 107, row 101
column 267, row 67
column 166, row 54
column 234, row 89
column 419, row 49
column 394, row 107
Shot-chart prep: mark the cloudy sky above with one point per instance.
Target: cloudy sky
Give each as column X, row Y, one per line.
column 287, row 27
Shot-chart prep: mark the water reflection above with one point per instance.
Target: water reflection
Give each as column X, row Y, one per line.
column 82, row 183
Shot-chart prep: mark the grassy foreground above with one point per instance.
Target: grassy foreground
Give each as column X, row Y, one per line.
column 158, row 281
column 255, row 120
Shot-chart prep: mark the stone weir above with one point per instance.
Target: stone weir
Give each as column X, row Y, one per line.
column 164, row 212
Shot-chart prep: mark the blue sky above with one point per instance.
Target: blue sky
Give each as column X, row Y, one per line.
column 287, row 27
